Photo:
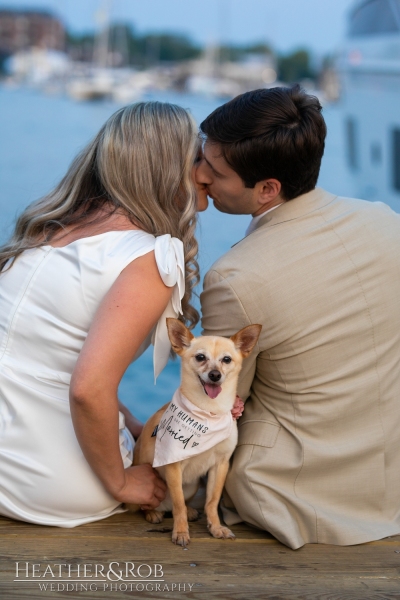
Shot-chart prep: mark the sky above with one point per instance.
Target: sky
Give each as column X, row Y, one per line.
column 319, row 25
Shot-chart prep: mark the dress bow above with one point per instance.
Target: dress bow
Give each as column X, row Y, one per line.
column 171, row 265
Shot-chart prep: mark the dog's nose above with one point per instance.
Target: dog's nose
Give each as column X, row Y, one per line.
column 214, row 375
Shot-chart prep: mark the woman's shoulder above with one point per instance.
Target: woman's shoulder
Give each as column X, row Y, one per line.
column 168, row 252
column 119, row 248
column 113, row 250
column 128, row 241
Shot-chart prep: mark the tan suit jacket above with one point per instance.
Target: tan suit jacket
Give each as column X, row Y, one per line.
column 318, row 458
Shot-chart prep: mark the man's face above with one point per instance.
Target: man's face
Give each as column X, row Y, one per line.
column 223, row 184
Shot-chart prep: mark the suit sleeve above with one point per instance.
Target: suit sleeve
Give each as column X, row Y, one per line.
column 224, row 314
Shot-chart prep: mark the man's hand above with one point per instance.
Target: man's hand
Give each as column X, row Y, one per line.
column 132, row 423
column 143, row 486
column 238, row 408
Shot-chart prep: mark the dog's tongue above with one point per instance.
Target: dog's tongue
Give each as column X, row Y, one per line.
column 212, row 390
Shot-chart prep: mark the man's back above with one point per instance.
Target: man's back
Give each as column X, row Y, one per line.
column 318, row 457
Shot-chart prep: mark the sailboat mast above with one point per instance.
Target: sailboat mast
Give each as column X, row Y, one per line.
column 102, row 42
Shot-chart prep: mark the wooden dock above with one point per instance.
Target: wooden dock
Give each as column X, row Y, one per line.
column 253, row 566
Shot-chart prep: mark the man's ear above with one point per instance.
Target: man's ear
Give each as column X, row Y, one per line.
column 246, row 339
column 268, row 190
column 179, row 335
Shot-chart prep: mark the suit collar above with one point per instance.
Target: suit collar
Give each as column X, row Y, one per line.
column 293, row 209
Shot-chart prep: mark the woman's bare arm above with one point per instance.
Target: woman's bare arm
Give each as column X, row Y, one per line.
column 125, row 317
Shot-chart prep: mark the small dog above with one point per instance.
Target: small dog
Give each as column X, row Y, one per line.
column 195, row 433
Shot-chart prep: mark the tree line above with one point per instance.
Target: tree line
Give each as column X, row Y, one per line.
column 128, row 48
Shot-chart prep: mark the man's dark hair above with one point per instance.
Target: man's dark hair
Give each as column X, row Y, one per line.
column 274, row 133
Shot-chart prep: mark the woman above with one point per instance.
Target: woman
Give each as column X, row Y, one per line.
column 90, row 272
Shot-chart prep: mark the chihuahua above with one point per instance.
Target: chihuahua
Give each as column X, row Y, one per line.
column 195, row 434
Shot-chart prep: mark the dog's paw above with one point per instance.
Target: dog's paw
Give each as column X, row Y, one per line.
column 131, row 507
column 192, row 513
column 181, row 538
column 221, row 532
column 154, row 516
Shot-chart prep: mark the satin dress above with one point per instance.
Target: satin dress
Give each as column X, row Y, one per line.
column 47, row 303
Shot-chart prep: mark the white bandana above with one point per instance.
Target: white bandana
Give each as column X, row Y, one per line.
column 186, row 430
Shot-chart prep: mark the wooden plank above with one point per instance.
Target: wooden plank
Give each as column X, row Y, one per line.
column 254, row 566
column 124, row 524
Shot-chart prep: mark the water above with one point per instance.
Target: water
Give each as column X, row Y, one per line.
column 41, row 134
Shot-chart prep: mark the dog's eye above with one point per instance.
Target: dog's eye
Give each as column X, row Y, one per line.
column 227, row 360
column 200, row 357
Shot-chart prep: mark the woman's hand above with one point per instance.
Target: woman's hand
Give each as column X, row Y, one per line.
column 143, row 486
column 238, row 408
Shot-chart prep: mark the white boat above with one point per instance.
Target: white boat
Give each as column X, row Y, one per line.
column 37, row 66
column 94, row 86
column 369, row 67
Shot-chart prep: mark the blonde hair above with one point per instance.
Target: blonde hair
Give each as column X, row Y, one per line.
column 140, row 162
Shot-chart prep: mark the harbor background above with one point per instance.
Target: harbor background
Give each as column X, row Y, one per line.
column 65, row 68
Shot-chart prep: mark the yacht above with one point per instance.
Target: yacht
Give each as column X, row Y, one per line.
column 369, row 67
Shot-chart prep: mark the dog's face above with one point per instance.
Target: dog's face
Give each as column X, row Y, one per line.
column 214, row 360
column 212, row 363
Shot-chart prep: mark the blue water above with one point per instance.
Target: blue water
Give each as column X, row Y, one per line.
column 41, row 134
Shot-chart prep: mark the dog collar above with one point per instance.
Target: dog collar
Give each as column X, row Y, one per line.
column 186, row 430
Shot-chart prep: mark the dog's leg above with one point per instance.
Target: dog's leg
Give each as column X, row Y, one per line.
column 173, row 476
column 215, row 484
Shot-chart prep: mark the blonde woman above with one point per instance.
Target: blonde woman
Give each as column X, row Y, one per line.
column 87, row 279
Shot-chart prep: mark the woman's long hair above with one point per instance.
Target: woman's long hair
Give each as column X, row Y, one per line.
column 139, row 163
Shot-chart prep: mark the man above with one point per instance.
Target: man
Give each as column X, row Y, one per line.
column 318, row 458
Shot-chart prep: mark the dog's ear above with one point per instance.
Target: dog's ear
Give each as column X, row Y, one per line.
column 246, row 339
column 179, row 335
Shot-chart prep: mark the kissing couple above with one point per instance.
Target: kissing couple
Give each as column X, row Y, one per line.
column 93, row 269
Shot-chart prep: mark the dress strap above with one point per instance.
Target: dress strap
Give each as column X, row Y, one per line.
column 170, row 260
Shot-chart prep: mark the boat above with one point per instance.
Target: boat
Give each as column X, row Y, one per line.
column 101, row 79
column 95, row 86
column 369, row 68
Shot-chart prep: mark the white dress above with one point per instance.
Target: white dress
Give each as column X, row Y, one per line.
column 47, row 303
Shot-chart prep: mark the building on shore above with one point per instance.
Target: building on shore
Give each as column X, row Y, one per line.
column 24, row 29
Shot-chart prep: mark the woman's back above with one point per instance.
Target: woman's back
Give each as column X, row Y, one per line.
column 50, row 295
column 48, row 300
